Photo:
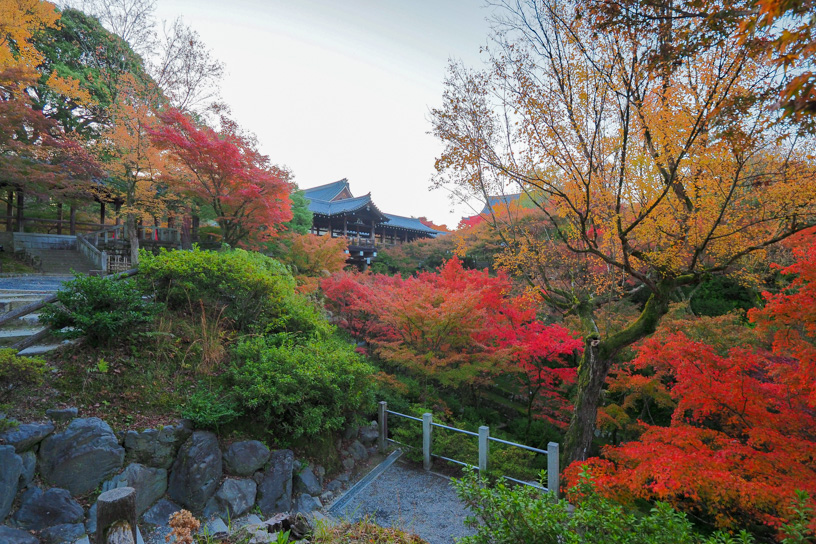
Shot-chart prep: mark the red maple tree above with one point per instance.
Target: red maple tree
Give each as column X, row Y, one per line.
column 249, row 195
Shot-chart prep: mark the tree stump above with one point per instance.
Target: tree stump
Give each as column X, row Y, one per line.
column 116, row 516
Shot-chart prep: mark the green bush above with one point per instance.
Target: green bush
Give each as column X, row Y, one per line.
column 209, row 409
column 256, row 293
column 16, row 371
column 300, row 389
column 100, row 309
column 508, row 515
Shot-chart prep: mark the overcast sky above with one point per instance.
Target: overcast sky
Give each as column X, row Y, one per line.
column 343, row 89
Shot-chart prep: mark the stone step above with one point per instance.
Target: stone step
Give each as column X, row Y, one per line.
column 61, row 261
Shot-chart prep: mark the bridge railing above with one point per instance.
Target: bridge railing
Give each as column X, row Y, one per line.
column 484, row 438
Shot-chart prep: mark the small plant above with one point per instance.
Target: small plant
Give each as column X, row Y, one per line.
column 283, row 537
column 210, row 409
column 182, row 525
column 16, row 371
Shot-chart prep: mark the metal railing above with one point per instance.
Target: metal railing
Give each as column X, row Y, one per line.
column 552, row 451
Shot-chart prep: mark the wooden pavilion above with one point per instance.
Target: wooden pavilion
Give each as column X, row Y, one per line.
column 337, row 212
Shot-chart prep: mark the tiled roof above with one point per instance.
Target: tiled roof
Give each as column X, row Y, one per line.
column 492, row 200
column 326, row 192
column 347, row 205
column 409, row 223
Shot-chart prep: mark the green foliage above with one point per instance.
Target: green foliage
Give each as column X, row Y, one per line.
column 300, row 388
column 100, row 309
column 256, row 293
column 210, row 409
column 16, row 371
column 301, row 215
column 508, row 515
column 720, row 295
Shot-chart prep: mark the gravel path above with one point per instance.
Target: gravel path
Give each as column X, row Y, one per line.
column 413, row 500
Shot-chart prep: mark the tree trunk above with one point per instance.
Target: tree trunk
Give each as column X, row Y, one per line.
column 60, row 216
column 73, row 220
column 10, row 210
column 133, row 238
column 595, row 364
column 20, row 210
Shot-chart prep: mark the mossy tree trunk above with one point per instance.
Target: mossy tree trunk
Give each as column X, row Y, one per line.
column 597, row 359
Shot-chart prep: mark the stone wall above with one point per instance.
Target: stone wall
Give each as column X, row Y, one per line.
column 27, row 240
column 49, row 469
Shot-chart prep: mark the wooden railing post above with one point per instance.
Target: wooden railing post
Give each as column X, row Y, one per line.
column 383, row 426
column 553, row 469
column 427, row 420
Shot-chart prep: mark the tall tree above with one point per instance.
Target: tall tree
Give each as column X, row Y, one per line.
column 249, row 195
column 134, row 163
column 652, row 177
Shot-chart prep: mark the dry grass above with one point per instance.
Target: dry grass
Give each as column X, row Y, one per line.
column 363, row 532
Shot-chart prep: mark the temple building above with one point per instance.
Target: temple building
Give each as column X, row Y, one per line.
column 337, row 212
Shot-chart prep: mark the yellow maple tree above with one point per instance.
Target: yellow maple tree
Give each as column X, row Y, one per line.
column 649, row 178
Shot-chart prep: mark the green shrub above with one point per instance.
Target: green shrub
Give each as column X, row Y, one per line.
column 511, row 514
column 100, row 309
column 300, row 389
column 16, row 371
column 209, row 409
column 256, row 293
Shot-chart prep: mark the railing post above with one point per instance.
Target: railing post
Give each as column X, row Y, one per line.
column 104, row 263
column 553, row 472
column 427, row 419
column 484, row 448
column 383, row 420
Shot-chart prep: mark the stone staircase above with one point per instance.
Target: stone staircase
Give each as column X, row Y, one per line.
column 61, row 261
column 25, row 326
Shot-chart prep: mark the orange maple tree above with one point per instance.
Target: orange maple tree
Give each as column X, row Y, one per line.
column 742, row 435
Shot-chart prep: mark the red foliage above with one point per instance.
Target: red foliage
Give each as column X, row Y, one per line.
column 225, row 170
column 743, row 434
column 456, row 326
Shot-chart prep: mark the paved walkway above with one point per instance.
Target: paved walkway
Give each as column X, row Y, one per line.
column 34, row 282
column 413, row 500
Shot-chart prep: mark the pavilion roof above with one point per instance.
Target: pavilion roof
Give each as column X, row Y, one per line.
column 327, row 192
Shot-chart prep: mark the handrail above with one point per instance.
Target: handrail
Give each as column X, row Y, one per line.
column 552, row 451
column 99, row 258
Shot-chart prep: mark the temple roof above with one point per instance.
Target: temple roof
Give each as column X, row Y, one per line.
column 333, row 199
column 327, row 192
column 492, row 200
column 409, row 223
column 344, row 206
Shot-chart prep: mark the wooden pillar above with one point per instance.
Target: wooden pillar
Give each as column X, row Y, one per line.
column 73, row 220
column 10, row 210
column 60, row 216
column 194, row 230
column 345, row 226
column 102, row 214
column 20, row 210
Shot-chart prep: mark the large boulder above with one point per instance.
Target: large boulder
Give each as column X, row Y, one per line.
column 82, row 456
column 62, row 534
column 11, row 467
column 39, row 510
column 306, row 482
column 196, row 471
column 244, row 458
column 156, row 447
column 233, row 499
column 160, row 513
column 16, row 536
column 275, row 483
column 150, row 484
column 29, row 468
column 26, row 435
